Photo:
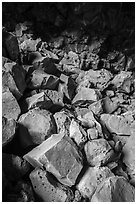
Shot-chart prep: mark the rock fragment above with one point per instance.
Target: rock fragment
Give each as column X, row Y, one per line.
column 114, row 189
column 58, row 155
column 91, row 179
column 10, row 107
column 48, row 189
column 98, row 152
column 35, row 126
column 87, row 94
column 8, row 130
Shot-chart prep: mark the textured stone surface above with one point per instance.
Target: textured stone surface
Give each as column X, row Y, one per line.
column 47, row 188
column 91, row 179
column 87, row 94
column 98, row 152
column 114, row 189
column 10, row 107
column 8, row 130
column 60, row 156
column 35, row 126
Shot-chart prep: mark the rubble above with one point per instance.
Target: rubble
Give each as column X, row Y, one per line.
column 48, row 189
column 98, row 152
column 60, row 157
column 114, row 189
column 35, row 126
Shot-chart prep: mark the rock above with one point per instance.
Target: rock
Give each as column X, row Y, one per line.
column 88, row 120
column 120, row 78
column 62, row 121
column 71, row 59
column 29, row 45
column 67, row 87
column 41, row 80
column 97, row 107
column 87, row 94
column 10, row 107
column 49, row 67
column 98, row 152
column 35, row 126
column 34, row 57
column 129, row 154
column 119, row 124
column 77, row 196
column 47, row 188
column 14, row 78
column 10, row 43
column 8, row 130
column 121, row 138
column 114, row 189
column 92, row 133
column 110, row 104
column 14, row 167
column 74, row 132
column 97, row 79
column 91, row 179
column 58, row 155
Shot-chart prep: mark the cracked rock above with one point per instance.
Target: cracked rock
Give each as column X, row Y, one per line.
column 48, row 189
column 10, row 107
column 35, row 126
column 60, row 156
column 8, row 130
column 98, row 152
column 91, row 179
column 114, row 189
column 87, row 94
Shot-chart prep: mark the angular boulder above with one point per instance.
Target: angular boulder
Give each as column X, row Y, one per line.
column 58, row 155
column 114, row 189
column 48, row 189
column 35, row 126
column 91, row 179
column 98, row 152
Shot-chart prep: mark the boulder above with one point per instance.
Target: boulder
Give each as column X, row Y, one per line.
column 41, row 80
column 10, row 107
column 98, row 152
column 14, row 78
column 77, row 133
column 87, row 94
column 8, row 130
column 10, row 43
column 14, row 167
column 114, row 189
column 58, row 155
column 91, row 179
column 35, row 126
column 47, row 188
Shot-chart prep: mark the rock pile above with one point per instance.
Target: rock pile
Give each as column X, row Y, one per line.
column 68, row 104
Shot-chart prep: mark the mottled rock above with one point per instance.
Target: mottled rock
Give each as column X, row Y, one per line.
column 87, row 94
column 8, row 130
column 14, row 78
column 29, row 45
column 41, row 80
column 114, row 189
column 10, row 107
column 10, row 43
column 75, row 132
column 48, row 189
column 91, row 179
column 119, row 124
column 14, row 166
column 129, row 154
column 92, row 133
column 98, row 152
column 58, row 155
column 35, row 126
column 98, row 79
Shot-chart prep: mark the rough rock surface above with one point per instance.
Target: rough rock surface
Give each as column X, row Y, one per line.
column 35, row 126
column 114, row 189
column 47, row 188
column 98, row 152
